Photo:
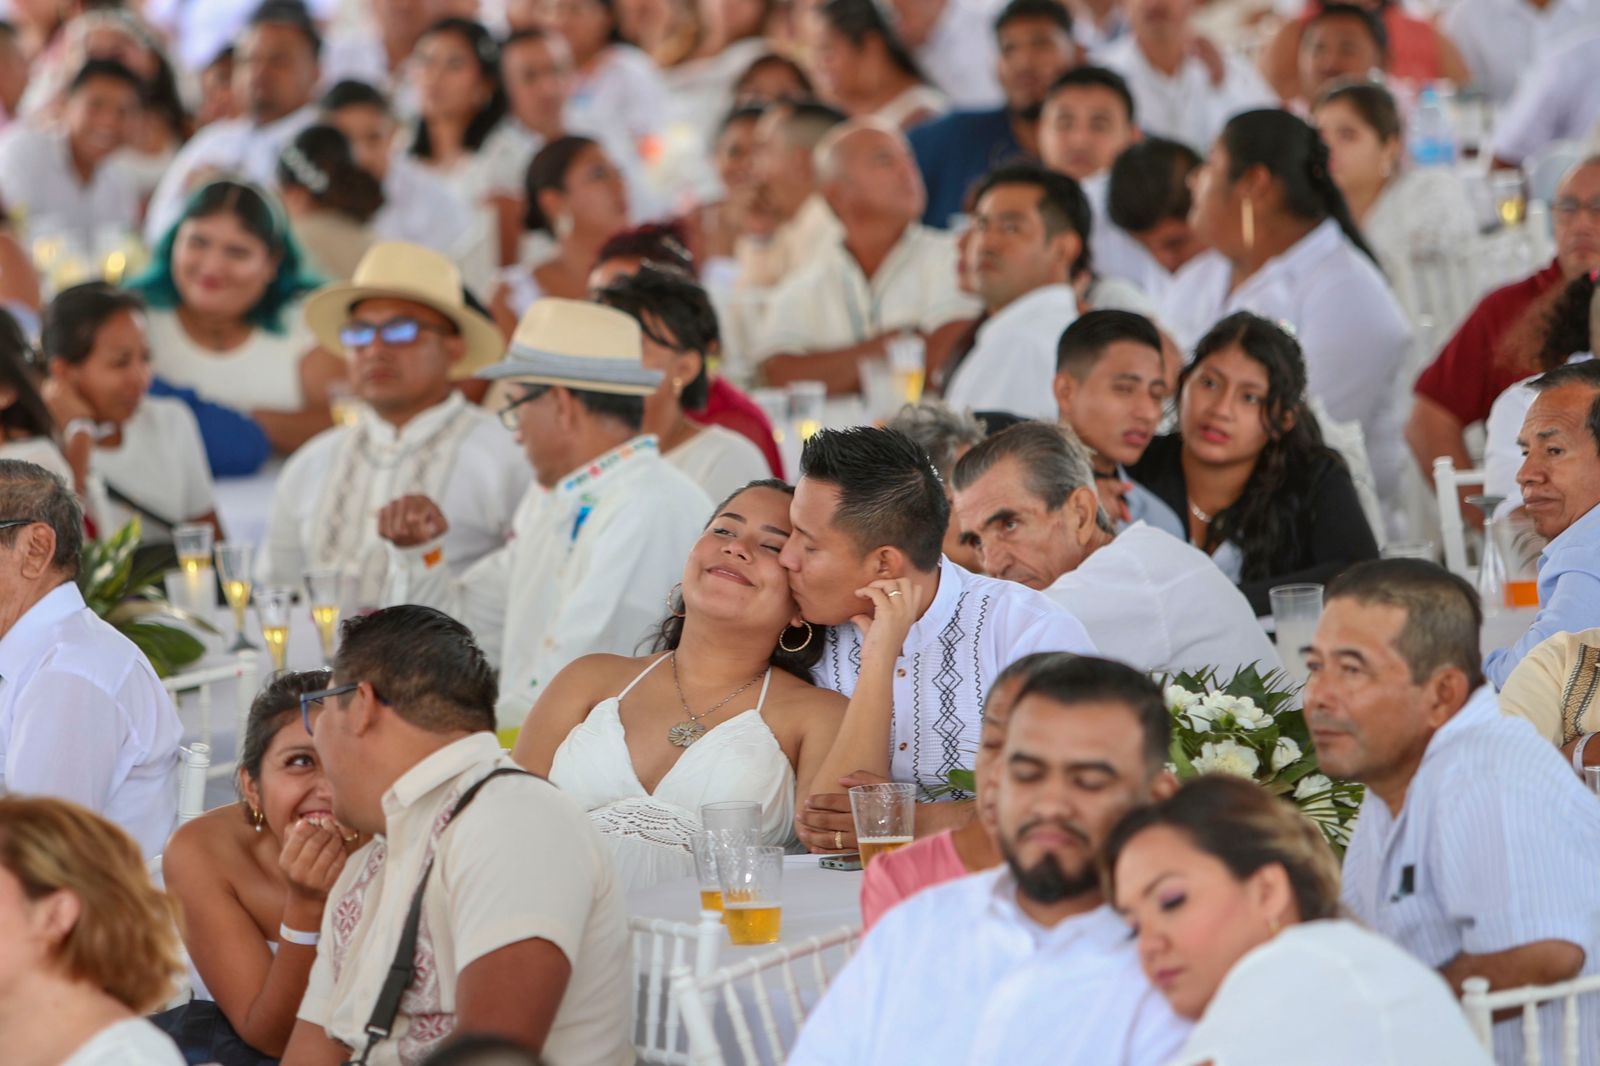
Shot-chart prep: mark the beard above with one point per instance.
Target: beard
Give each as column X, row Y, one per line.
column 1031, row 112
column 1045, row 881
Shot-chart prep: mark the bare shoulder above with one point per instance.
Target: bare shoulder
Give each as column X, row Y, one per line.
column 599, row 676
column 204, row 850
column 797, row 705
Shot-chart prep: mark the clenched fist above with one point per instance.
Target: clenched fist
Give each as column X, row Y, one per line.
column 411, row 520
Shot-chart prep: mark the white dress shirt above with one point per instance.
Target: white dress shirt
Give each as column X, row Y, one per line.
column 1555, row 101
column 454, row 448
column 237, row 147
column 830, row 303
column 1160, row 604
column 720, row 461
column 83, row 717
column 1186, row 107
column 588, row 570
column 37, row 176
column 160, row 466
column 1340, row 995
column 1496, row 846
column 1012, row 365
column 960, row 56
column 974, row 628
column 522, row 863
column 959, row 974
column 1351, row 329
column 1501, row 40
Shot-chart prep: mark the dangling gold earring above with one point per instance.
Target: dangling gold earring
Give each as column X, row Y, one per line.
column 804, row 644
column 258, row 819
column 672, row 601
column 1247, row 223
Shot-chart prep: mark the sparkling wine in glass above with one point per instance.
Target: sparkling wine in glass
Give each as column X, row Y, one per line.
column 234, row 563
column 273, row 607
column 323, row 585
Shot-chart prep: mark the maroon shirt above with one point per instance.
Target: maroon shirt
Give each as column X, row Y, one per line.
column 728, row 407
column 1470, row 373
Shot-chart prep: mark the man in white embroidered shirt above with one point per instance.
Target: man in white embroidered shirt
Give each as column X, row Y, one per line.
column 523, row 930
column 82, row 714
column 1477, row 846
column 407, row 329
column 602, row 539
column 1026, row 963
column 1025, row 498
column 869, row 516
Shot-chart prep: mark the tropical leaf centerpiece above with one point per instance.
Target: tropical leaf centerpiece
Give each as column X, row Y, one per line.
column 128, row 595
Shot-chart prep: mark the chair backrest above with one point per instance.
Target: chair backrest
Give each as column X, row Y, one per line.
column 660, row 947
column 1481, row 1004
column 193, row 762
column 203, row 686
column 1447, row 480
column 742, row 993
column 1546, row 167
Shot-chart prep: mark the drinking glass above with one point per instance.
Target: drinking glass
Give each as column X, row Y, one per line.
column 774, row 403
column 323, row 585
column 234, row 561
column 806, row 400
column 1491, row 584
column 273, row 608
column 1510, row 201
column 907, row 365
column 1591, row 778
column 752, row 893
column 885, row 815
column 1410, row 549
column 1295, row 610
column 193, row 543
column 343, row 404
column 708, row 844
column 732, row 814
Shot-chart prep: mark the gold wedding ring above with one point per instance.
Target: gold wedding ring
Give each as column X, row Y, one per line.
column 838, row 840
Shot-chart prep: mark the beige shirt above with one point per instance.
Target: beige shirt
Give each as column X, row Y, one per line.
column 524, row 863
column 763, row 264
column 1556, row 686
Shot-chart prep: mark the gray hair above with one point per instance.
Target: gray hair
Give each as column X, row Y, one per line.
column 825, row 156
column 29, row 491
column 940, row 429
column 1054, row 462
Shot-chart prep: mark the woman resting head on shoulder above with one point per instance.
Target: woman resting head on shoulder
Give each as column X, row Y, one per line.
column 87, row 943
column 253, row 876
column 1233, row 897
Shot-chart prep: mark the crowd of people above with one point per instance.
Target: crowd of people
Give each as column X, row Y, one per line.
column 747, row 401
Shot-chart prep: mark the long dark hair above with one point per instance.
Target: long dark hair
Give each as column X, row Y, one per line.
column 319, row 161
column 1293, row 152
column 548, row 170
column 1265, row 520
column 274, row 707
column 1565, row 326
column 27, row 414
column 856, row 20
column 487, row 54
column 798, row 663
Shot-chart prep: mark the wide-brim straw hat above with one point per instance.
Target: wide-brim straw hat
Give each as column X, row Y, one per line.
column 577, row 345
column 396, row 270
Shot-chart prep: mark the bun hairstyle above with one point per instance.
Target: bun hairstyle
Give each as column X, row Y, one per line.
column 319, row 161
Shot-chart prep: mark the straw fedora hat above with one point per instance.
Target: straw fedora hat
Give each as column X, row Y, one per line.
column 397, row 270
column 577, row 345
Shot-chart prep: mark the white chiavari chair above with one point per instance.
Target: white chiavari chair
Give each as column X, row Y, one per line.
column 1447, row 481
column 203, row 685
column 661, row 947
column 194, row 762
column 1481, row 1004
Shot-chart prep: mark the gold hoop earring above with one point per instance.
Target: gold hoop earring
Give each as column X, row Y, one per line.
column 804, row 644
column 258, row 819
column 672, row 599
column 1247, row 223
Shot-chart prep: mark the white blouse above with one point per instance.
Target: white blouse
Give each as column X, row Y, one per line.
column 624, row 91
column 160, row 465
column 134, row 1042
column 263, row 373
column 720, row 461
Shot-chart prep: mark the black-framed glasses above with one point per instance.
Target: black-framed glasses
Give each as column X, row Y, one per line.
column 508, row 413
column 308, row 698
column 394, row 331
column 13, row 523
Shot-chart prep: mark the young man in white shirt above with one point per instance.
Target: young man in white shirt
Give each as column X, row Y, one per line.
column 870, row 513
column 1027, row 242
column 1026, row 963
column 82, row 714
column 66, row 178
column 1476, row 845
column 601, row 541
column 404, row 325
column 889, row 275
column 1026, row 501
column 523, row 930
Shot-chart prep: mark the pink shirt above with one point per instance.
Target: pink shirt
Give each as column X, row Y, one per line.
column 902, row 874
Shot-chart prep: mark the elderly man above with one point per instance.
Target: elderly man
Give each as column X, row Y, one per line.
column 1025, row 963
column 1560, row 482
column 1026, row 501
column 1476, row 846
column 1460, row 386
column 945, row 434
column 408, row 332
column 523, row 931
column 889, row 275
column 1028, row 239
column 596, row 549
column 82, row 714
column 786, row 181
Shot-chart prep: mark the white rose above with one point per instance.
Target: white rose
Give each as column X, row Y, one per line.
column 1285, row 753
column 1180, row 699
column 1249, row 716
column 1227, row 757
column 1311, row 785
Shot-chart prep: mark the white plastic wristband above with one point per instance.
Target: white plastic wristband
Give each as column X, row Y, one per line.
column 1577, row 752
column 296, row 936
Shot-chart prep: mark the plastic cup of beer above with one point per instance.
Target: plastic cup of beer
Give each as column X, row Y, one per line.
column 273, row 608
column 885, row 817
column 752, row 893
column 707, row 845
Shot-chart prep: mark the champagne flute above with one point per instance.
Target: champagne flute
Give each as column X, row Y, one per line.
column 273, row 608
column 233, row 564
column 323, row 586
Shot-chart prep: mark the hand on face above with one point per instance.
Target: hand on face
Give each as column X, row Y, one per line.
column 64, row 400
column 313, row 856
column 896, row 605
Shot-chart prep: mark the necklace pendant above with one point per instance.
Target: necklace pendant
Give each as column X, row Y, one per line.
column 685, row 733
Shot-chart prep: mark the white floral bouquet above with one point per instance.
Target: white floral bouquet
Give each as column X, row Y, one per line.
column 1251, row 725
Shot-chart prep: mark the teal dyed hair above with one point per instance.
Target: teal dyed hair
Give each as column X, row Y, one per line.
column 261, row 216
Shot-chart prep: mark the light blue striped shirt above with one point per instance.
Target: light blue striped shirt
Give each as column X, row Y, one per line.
column 1569, row 594
column 1496, row 846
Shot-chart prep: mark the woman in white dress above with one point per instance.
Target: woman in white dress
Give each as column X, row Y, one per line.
column 728, row 712
column 1233, row 896
column 618, row 90
column 862, row 68
column 223, row 290
column 87, row 943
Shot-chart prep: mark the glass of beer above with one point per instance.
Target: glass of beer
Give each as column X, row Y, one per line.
column 234, row 561
column 807, row 401
column 907, row 363
column 752, row 893
column 708, row 844
column 273, row 608
column 885, row 815
column 193, row 543
column 323, row 585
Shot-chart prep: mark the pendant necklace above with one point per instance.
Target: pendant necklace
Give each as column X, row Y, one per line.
column 1200, row 516
column 685, row 733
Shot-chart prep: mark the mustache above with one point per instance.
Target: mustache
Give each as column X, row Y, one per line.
column 1073, row 830
column 1326, row 723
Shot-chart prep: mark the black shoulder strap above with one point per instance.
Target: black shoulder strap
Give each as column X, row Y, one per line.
column 384, row 1012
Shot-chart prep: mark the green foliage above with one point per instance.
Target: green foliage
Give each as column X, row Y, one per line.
column 130, row 597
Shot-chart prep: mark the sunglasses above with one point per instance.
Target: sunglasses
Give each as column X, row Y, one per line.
column 508, row 413
column 394, row 331
column 12, row 523
column 309, row 698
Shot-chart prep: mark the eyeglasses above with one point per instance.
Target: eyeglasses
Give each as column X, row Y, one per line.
column 508, row 413
column 308, row 698
column 394, row 331
column 1567, row 208
column 12, row 523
